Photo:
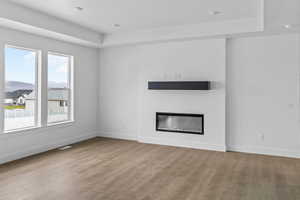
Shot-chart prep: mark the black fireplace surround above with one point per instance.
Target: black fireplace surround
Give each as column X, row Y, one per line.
column 180, row 123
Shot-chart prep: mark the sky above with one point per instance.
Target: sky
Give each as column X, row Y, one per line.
column 20, row 66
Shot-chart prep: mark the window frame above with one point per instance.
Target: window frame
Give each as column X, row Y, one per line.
column 41, row 88
column 70, row 88
column 37, row 89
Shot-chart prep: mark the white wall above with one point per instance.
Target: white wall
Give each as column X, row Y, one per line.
column 263, row 95
column 17, row 145
column 127, row 107
column 262, row 92
column 118, row 92
column 262, row 110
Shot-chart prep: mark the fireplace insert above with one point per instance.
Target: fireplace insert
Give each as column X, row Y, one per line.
column 180, row 123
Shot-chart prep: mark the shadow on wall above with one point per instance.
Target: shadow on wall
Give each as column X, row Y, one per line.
column 214, row 85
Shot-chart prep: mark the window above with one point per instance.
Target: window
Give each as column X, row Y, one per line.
column 36, row 93
column 21, row 88
column 59, row 88
column 63, row 103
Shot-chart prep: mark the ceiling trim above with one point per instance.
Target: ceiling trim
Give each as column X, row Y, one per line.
column 47, row 33
column 35, row 22
column 203, row 30
column 23, row 19
column 214, row 29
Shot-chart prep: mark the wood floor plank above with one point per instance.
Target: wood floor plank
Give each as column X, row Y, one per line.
column 108, row 169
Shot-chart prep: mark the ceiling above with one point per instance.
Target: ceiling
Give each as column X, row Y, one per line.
column 131, row 15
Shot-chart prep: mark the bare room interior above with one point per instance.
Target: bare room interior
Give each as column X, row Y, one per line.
column 150, row 100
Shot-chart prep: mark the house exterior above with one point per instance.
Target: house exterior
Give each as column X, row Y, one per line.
column 21, row 100
column 17, row 97
column 57, row 101
column 8, row 101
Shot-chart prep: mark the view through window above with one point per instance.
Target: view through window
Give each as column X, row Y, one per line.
column 20, row 101
column 59, row 89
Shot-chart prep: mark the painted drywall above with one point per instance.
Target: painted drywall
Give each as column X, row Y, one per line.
column 263, row 95
column 127, row 107
column 16, row 145
column 263, row 91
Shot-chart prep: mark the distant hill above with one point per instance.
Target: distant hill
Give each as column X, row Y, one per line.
column 17, row 93
column 12, row 86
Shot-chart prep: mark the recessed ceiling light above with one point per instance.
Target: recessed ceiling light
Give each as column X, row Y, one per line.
column 214, row 12
column 79, row 8
column 117, row 25
column 288, row 26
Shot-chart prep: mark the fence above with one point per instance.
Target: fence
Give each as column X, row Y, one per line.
column 18, row 113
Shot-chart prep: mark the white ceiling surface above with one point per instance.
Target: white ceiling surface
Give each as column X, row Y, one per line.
column 100, row 15
column 150, row 20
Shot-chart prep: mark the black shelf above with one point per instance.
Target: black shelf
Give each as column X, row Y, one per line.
column 179, row 85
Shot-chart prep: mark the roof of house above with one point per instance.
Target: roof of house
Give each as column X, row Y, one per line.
column 54, row 94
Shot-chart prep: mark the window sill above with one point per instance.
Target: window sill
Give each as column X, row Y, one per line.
column 60, row 124
column 48, row 126
column 23, row 130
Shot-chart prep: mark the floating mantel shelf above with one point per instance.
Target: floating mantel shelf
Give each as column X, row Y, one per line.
column 179, row 85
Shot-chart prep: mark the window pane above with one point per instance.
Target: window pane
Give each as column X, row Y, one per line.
column 20, row 84
column 58, row 88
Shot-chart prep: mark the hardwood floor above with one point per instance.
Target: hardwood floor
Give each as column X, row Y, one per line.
column 107, row 169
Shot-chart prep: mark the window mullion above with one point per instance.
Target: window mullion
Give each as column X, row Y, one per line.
column 44, row 89
column 38, row 81
column 70, row 91
column 2, row 87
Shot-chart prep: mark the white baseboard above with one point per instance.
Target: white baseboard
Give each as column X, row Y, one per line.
column 183, row 143
column 150, row 140
column 122, row 136
column 205, row 146
column 264, row 151
column 45, row 147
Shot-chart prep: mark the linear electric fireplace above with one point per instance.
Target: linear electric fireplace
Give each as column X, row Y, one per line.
column 180, row 123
